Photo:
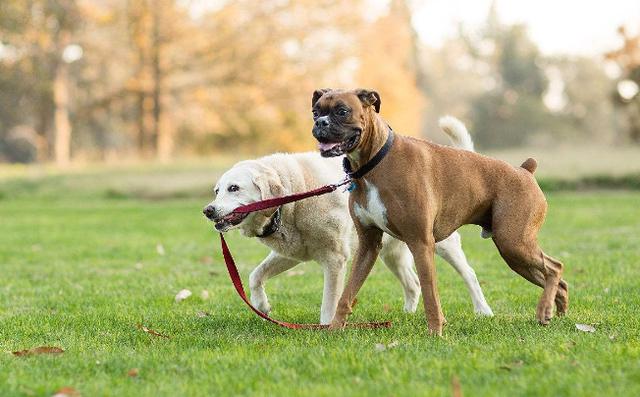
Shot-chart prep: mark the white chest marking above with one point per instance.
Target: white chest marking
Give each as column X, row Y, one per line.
column 375, row 213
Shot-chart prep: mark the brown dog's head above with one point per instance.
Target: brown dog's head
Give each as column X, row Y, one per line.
column 339, row 118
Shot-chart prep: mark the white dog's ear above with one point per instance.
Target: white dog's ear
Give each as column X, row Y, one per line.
column 268, row 182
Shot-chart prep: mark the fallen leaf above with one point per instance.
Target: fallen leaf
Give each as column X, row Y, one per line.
column 606, row 290
column 152, row 332
column 67, row 392
column 202, row 314
column 386, row 308
column 133, row 372
column 204, row 294
column 612, row 337
column 393, row 344
column 585, row 328
column 138, row 266
column 380, row 347
column 160, row 249
column 182, row 295
column 39, row 350
column 456, row 389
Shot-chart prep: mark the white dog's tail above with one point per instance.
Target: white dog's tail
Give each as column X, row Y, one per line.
column 457, row 132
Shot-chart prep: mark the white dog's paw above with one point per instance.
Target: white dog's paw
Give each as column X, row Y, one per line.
column 483, row 311
column 411, row 303
column 259, row 301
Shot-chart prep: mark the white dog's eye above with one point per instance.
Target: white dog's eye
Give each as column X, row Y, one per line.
column 233, row 188
column 215, row 191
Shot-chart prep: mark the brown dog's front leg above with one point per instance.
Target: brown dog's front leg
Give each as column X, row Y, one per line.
column 423, row 255
column 368, row 248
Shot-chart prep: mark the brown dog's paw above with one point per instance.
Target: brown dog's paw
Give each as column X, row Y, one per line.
column 544, row 314
column 437, row 331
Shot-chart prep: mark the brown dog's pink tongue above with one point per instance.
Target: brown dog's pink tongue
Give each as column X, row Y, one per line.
column 327, row 146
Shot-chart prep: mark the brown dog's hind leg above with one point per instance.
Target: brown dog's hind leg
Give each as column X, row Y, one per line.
column 530, row 262
column 562, row 294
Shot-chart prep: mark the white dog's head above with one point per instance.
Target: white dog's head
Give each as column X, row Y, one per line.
column 245, row 183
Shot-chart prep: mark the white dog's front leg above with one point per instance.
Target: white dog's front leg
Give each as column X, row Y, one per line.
column 271, row 266
column 450, row 249
column 333, row 285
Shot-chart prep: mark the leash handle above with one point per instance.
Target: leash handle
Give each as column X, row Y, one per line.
column 237, row 283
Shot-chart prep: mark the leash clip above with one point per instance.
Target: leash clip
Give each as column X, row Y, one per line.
column 350, row 187
column 346, row 181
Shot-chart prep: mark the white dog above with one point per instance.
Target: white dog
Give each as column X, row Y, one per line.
column 320, row 228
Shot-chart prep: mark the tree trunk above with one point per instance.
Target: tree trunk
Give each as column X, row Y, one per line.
column 62, row 137
column 162, row 134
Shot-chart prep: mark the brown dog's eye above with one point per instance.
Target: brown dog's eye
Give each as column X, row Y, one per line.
column 233, row 188
column 315, row 114
column 342, row 112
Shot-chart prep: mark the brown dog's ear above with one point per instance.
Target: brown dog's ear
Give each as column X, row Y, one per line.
column 369, row 98
column 317, row 94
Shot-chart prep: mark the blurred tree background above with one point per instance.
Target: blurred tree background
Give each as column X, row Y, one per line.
column 107, row 80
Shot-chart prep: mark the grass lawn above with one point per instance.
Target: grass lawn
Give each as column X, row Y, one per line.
column 80, row 271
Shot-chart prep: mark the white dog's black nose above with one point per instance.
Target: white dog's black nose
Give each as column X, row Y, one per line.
column 209, row 211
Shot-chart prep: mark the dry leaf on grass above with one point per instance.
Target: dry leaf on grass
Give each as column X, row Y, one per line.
column 138, row 266
column 202, row 314
column 160, row 249
column 585, row 328
column 133, row 372
column 206, row 260
column 152, row 332
column 182, row 295
column 456, row 389
column 67, row 392
column 386, row 308
column 39, row 350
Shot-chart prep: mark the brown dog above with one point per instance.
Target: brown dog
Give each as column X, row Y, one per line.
column 421, row 192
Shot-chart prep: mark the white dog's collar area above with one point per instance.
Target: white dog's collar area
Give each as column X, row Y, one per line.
column 273, row 225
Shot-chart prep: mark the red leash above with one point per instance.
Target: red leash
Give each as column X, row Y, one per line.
column 233, row 269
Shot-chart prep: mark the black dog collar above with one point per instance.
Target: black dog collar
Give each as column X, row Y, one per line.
column 273, row 225
column 375, row 160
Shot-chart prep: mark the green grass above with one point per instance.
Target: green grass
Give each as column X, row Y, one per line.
column 79, row 270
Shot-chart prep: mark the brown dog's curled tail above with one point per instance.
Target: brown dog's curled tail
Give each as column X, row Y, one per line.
column 530, row 165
